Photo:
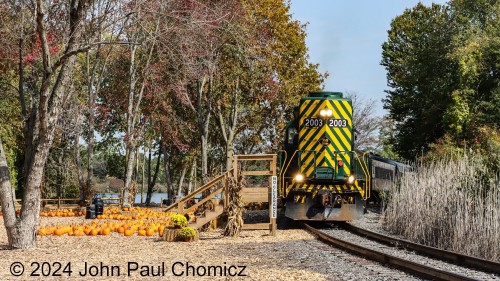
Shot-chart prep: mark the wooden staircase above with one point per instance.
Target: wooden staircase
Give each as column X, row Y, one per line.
column 209, row 216
column 200, row 195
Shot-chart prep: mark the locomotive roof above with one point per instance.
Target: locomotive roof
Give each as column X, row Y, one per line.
column 322, row 95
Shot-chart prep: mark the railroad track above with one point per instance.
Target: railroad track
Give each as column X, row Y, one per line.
column 417, row 268
column 460, row 259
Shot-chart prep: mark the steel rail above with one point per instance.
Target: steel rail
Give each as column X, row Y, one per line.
column 460, row 259
column 405, row 265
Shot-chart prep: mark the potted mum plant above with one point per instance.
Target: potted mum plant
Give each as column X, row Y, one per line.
column 187, row 234
column 177, row 222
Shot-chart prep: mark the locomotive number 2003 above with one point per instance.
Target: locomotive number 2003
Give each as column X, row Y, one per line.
column 318, row 122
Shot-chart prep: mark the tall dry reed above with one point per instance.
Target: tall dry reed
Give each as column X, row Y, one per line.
column 452, row 204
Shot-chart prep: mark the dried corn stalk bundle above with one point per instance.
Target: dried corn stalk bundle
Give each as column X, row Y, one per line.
column 235, row 207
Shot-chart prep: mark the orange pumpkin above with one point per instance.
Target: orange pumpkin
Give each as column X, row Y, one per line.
column 161, row 228
column 41, row 231
column 106, row 231
column 94, row 232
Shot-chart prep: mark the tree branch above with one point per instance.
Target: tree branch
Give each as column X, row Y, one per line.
column 40, row 27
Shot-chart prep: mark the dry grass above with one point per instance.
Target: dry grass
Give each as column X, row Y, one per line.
column 451, row 204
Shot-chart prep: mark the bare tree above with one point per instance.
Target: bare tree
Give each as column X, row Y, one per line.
column 142, row 40
column 365, row 122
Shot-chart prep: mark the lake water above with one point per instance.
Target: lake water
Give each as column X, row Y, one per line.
column 155, row 198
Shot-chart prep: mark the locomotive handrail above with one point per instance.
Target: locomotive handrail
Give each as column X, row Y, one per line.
column 364, row 167
column 369, row 182
column 366, row 171
column 282, row 179
column 284, row 170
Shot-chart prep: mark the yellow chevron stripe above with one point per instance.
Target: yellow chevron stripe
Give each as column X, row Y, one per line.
column 336, row 141
column 341, row 109
column 309, row 111
column 344, row 115
column 308, row 158
column 339, row 133
column 348, row 106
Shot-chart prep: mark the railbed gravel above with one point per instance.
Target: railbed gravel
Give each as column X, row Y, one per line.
column 371, row 221
column 293, row 254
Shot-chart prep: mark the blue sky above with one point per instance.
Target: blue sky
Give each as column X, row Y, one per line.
column 345, row 38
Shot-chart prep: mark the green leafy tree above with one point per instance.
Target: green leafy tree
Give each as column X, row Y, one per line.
column 421, row 76
column 442, row 66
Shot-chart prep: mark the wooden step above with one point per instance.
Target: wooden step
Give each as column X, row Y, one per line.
column 209, row 216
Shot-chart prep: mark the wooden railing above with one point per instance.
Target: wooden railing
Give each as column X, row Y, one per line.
column 180, row 207
column 60, row 201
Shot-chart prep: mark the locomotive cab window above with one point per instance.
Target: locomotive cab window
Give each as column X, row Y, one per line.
column 292, row 132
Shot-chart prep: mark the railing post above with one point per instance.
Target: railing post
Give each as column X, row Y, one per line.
column 225, row 191
column 235, row 167
column 58, row 202
column 180, row 207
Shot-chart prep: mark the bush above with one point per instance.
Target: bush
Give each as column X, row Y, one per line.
column 178, row 221
column 187, row 234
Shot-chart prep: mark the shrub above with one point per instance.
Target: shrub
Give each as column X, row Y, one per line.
column 187, row 234
column 178, row 221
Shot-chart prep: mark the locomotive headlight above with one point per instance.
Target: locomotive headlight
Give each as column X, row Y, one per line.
column 329, row 112
column 351, row 179
column 323, row 113
column 299, row 177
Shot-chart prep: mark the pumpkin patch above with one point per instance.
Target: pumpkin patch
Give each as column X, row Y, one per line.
column 126, row 222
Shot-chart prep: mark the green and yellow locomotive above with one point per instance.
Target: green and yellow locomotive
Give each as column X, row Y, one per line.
column 322, row 177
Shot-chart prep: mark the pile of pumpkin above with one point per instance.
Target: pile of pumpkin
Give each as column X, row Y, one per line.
column 135, row 213
column 126, row 221
column 141, row 227
column 61, row 213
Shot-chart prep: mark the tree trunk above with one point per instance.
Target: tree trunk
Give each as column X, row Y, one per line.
column 152, row 178
column 168, row 177
column 181, row 182
column 6, row 195
column 90, row 151
column 228, row 126
column 128, row 176
column 192, row 177
column 203, row 125
column 144, row 172
column 78, row 162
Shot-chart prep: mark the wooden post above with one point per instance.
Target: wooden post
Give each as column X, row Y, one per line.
column 235, row 167
column 180, row 207
column 225, row 192
column 59, row 202
column 273, row 199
